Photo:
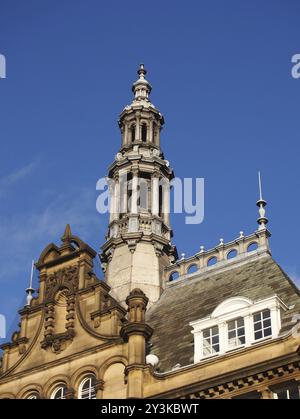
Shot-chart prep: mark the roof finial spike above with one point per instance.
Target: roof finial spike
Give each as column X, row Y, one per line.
column 30, row 290
column 261, row 203
column 142, row 71
column 67, row 234
column 260, row 186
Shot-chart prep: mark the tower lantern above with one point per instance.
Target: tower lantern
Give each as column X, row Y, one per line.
column 139, row 233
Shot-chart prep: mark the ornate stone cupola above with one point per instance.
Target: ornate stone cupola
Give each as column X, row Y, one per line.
column 139, row 236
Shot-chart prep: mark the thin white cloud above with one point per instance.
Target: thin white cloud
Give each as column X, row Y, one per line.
column 26, row 234
column 9, row 180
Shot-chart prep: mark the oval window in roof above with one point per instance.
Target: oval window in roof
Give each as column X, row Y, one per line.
column 174, row 276
column 252, row 247
column 212, row 261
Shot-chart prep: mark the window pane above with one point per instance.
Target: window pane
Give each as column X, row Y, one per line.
column 268, row 332
column 241, row 340
column 215, row 340
column 215, row 330
column 216, row 348
column 59, row 393
column 266, row 314
column 241, row 331
column 210, row 341
column 231, row 325
column 258, row 335
column 267, row 323
column 257, row 317
column 240, row 322
column 231, row 335
column 206, row 351
column 206, row 333
column 257, row 326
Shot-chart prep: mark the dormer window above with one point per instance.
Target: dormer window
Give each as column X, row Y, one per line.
column 235, row 324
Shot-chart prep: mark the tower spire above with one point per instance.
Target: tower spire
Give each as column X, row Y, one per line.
column 139, row 232
column 261, row 203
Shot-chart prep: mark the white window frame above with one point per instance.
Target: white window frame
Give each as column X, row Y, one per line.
column 33, row 395
column 211, row 336
column 236, row 329
column 60, row 387
column 91, row 387
column 232, row 309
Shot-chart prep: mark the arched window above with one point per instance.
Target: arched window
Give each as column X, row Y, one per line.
column 144, row 132
column 33, row 395
column 132, row 129
column 87, row 388
column 59, row 392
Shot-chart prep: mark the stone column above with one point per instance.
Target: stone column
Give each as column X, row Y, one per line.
column 116, row 198
column 136, row 332
column 155, row 194
column 138, row 129
column 123, row 193
column 156, row 135
column 126, row 135
column 134, row 196
column 99, row 386
column 166, row 202
column 112, row 197
column 151, row 131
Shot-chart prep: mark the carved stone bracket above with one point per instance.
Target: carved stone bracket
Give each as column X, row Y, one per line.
column 132, row 245
column 58, row 342
column 158, row 248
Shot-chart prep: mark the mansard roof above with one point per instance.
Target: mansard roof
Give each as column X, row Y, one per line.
column 255, row 278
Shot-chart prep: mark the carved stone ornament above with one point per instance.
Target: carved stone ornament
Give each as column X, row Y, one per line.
column 58, row 342
column 64, row 278
column 61, row 287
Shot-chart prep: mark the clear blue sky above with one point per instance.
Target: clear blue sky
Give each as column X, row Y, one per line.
column 221, row 75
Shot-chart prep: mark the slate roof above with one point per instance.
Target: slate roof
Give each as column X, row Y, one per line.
column 196, row 298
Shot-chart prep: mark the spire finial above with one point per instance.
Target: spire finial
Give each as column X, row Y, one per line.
column 141, row 88
column 30, row 290
column 261, row 203
column 67, row 234
column 142, row 71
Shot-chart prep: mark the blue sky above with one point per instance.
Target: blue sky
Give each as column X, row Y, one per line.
column 221, row 75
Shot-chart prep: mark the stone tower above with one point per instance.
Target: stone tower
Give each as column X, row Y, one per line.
column 138, row 245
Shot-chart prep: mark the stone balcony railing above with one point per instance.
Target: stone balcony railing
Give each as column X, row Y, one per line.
column 220, row 256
